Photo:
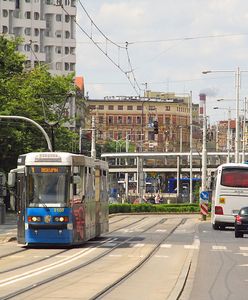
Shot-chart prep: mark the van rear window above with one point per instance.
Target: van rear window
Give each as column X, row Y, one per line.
column 235, row 177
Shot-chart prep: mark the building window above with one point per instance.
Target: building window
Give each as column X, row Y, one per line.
column 58, row 66
column 110, row 120
column 58, row 34
column 58, row 18
column 167, row 108
column 101, row 107
column 72, row 66
column 139, row 107
column 100, row 119
column 67, row 2
column 150, row 135
column 138, row 120
column 5, row 13
column 111, row 134
column 120, row 107
column 36, row 16
column 67, row 18
column 27, row 31
column 67, row 34
column 28, row 64
column 27, row 47
column 36, row 48
column 28, row 15
column 119, row 120
column 129, row 120
column 5, row 29
column 129, row 107
column 92, row 107
column 66, row 50
column 36, row 31
column 67, row 66
column 58, row 49
column 111, row 107
column 72, row 50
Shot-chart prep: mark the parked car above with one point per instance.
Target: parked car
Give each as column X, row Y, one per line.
column 241, row 222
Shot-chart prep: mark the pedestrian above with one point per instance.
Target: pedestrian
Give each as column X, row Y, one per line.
column 157, row 199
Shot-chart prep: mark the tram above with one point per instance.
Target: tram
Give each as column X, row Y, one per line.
column 61, row 198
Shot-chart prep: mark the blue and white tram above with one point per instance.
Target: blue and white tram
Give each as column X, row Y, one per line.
column 62, row 198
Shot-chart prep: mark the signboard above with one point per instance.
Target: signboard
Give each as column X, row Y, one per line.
column 204, row 196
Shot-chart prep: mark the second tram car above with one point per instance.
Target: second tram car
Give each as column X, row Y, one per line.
column 61, row 198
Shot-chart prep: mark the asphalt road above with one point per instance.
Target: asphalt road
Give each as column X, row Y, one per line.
column 143, row 257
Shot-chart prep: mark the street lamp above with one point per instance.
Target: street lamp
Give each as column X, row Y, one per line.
column 228, row 130
column 237, row 88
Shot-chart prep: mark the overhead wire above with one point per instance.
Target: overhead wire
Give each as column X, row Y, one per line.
column 132, row 79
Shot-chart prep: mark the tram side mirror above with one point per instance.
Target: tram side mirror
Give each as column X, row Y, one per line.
column 76, row 179
column 11, row 180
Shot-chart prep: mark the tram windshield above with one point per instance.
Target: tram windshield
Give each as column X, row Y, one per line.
column 48, row 186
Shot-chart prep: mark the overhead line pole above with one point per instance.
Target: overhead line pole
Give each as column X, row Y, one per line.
column 49, row 145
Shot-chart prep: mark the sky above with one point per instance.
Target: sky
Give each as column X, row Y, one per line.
column 164, row 46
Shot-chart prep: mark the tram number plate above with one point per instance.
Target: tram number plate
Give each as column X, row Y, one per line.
column 59, row 210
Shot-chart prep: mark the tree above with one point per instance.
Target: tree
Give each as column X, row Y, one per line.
column 34, row 94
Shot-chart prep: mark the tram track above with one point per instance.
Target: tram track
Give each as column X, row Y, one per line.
column 73, row 269
column 59, row 253
column 149, row 255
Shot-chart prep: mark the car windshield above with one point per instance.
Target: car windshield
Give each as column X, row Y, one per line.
column 48, row 186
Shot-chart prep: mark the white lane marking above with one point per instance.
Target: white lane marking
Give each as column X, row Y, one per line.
column 243, row 248
column 193, row 246
column 166, row 246
column 135, row 256
column 161, row 230
column 45, row 268
column 17, row 256
column 41, row 256
column 244, row 265
column 138, row 245
column 242, row 253
column 218, row 247
column 161, row 256
column 115, row 255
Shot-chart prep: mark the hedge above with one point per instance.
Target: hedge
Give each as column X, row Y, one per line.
column 146, row 207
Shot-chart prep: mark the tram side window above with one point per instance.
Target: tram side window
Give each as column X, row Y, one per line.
column 78, row 184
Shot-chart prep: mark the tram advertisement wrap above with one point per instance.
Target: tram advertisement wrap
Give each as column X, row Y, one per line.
column 78, row 213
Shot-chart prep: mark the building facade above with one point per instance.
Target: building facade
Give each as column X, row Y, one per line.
column 132, row 118
column 48, row 31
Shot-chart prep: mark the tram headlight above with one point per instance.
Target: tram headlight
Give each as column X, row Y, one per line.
column 61, row 219
column 34, row 219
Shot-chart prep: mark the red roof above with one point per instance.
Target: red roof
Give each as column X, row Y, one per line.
column 79, row 82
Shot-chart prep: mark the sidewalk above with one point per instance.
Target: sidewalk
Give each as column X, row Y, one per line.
column 8, row 230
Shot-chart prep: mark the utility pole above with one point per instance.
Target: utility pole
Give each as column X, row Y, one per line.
column 93, row 139
column 204, row 142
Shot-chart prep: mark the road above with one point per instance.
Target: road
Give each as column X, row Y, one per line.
column 143, row 257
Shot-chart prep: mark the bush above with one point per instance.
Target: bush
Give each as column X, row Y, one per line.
column 147, row 207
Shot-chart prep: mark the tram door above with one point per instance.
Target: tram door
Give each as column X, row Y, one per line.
column 21, row 207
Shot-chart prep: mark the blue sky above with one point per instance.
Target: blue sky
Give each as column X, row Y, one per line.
column 170, row 43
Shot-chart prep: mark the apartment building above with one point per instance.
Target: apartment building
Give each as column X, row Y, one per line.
column 118, row 118
column 47, row 29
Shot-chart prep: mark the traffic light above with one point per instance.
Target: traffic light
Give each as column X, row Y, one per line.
column 155, row 127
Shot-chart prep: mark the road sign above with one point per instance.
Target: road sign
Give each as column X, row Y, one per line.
column 204, row 196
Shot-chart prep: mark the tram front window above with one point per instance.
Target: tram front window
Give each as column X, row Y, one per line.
column 48, row 186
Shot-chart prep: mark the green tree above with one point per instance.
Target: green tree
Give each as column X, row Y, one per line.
column 34, row 94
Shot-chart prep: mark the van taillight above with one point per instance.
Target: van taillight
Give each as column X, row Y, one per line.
column 238, row 219
column 218, row 210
